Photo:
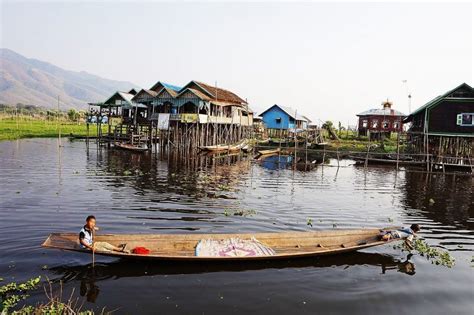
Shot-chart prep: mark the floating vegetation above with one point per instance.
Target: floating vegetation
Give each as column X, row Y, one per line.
column 435, row 255
column 309, row 222
column 239, row 212
column 12, row 293
column 127, row 173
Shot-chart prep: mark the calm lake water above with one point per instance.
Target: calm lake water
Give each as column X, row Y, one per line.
column 44, row 189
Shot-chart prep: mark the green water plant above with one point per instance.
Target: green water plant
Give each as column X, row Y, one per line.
column 12, row 293
column 309, row 222
column 435, row 255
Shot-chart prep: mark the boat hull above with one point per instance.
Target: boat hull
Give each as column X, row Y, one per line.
column 181, row 247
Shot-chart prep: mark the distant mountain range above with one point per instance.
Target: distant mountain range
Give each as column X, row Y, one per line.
column 34, row 82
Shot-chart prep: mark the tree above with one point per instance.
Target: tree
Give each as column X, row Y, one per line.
column 72, row 114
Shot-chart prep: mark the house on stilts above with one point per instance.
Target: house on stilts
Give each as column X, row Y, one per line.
column 186, row 117
column 442, row 130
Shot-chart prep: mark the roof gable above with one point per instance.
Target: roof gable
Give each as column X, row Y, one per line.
column 191, row 93
column 158, row 86
column 289, row 111
column 144, row 94
column 167, row 93
column 461, row 90
column 215, row 93
column 119, row 95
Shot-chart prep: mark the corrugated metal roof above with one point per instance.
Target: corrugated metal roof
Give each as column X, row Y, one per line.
column 158, row 86
column 171, row 86
column 127, row 97
column 382, row 112
column 290, row 112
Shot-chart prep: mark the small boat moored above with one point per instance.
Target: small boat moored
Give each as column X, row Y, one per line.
column 215, row 247
column 269, row 152
column 224, row 147
column 130, row 147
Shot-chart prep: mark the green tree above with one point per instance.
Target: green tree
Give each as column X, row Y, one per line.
column 72, row 114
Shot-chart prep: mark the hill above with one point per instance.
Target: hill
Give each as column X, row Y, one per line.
column 35, row 82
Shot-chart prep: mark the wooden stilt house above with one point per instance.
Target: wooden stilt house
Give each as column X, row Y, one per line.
column 443, row 129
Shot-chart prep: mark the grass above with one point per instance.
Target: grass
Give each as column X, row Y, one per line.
column 29, row 127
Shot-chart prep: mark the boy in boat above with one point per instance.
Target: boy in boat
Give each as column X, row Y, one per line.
column 406, row 234
column 86, row 239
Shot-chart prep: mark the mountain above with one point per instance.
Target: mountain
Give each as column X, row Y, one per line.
column 35, row 82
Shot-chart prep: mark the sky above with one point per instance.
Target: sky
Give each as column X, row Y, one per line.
column 329, row 61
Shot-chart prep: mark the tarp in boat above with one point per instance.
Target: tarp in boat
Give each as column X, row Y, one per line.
column 232, row 247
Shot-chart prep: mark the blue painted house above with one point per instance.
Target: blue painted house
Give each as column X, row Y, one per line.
column 283, row 118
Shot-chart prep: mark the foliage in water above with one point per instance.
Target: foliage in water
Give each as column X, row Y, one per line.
column 435, row 255
column 12, row 293
column 239, row 212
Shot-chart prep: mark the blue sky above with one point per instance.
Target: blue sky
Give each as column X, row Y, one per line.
column 328, row 60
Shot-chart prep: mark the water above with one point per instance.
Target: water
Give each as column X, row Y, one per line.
column 46, row 190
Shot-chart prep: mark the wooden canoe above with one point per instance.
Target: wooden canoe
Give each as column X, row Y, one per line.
column 373, row 161
column 130, row 147
column 224, row 147
column 287, row 245
column 269, row 152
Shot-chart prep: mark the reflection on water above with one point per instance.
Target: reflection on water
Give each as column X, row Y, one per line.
column 277, row 162
column 43, row 191
column 88, row 277
column 445, row 199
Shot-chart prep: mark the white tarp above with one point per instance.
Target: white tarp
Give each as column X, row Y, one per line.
column 163, row 121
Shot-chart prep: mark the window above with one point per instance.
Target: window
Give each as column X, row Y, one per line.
column 386, row 124
column 396, row 125
column 465, row 119
column 364, row 123
column 278, row 120
column 375, row 123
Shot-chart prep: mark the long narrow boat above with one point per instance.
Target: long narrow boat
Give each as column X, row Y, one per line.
column 361, row 160
column 286, row 245
column 269, row 152
column 224, row 147
column 130, row 147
